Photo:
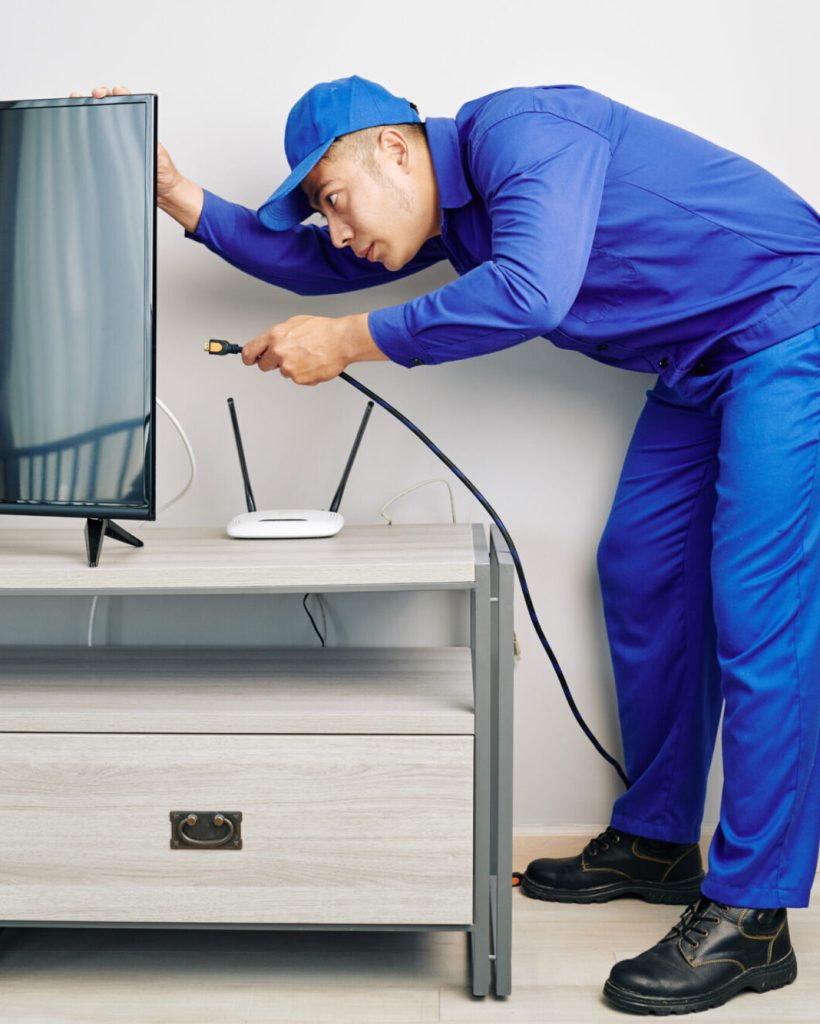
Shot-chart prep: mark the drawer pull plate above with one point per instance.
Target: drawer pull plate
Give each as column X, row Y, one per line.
column 206, row 830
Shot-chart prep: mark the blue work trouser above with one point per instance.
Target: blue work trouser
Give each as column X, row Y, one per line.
column 710, row 576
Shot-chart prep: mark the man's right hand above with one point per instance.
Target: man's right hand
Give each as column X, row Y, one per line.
column 180, row 198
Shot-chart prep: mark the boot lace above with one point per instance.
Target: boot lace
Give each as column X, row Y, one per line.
column 694, row 915
column 609, row 836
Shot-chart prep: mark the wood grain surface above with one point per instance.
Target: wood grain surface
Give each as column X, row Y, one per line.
column 206, row 560
column 336, row 829
column 425, row 690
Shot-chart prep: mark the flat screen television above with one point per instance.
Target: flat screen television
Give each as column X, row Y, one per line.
column 78, row 310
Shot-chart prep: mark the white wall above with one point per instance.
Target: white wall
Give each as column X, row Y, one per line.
column 541, row 432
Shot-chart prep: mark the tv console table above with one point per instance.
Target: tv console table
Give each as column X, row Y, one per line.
column 263, row 787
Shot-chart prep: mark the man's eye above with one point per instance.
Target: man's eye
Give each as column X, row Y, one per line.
column 330, row 196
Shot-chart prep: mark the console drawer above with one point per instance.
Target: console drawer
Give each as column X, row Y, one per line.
column 336, row 829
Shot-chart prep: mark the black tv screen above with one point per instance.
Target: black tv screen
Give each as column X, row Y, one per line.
column 77, row 306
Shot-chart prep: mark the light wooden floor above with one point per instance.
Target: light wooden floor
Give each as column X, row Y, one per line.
column 561, row 958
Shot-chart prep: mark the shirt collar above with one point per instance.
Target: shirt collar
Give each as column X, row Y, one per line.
column 445, row 150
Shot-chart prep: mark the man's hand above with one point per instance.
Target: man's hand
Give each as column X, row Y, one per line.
column 312, row 349
column 176, row 195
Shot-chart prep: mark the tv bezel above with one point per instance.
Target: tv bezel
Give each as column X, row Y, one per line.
column 111, row 510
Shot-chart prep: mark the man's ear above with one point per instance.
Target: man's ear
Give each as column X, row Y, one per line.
column 395, row 145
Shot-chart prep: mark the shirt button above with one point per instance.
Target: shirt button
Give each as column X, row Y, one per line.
column 700, row 368
column 415, row 361
column 602, row 347
column 663, row 363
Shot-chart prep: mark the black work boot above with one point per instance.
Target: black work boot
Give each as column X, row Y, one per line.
column 713, row 953
column 617, row 863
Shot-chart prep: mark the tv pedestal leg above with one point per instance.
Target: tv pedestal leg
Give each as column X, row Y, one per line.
column 96, row 530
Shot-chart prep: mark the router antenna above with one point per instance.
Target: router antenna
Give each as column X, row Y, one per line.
column 337, row 497
column 245, row 478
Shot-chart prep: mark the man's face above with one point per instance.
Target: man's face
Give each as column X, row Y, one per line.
column 388, row 207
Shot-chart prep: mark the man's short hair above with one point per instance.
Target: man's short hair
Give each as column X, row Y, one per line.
column 360, row 145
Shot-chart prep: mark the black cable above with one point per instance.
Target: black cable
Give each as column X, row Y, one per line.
column 312, row 621
column 513, row 551
column 217, row 347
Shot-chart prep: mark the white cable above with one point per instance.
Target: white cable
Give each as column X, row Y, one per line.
column 191, row 459
column 435, row 480
column 162, row 508
column 91, row 620
column 516, row 642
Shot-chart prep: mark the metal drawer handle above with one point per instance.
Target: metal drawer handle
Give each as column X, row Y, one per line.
column 219, row 819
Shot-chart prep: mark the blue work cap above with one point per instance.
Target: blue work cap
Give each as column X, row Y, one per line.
column 325, row 112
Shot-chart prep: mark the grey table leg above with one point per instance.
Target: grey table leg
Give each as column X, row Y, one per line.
column 501, row 591
column 480, row 645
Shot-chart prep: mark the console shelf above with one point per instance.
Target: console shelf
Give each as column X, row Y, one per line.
column 358, row 787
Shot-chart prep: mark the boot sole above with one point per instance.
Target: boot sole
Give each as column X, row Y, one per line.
column 684, row 892
column 761, row 979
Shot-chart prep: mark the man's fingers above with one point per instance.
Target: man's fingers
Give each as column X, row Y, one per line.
column 104, row 90
column 266, row 358
column 298, row 349
column 261, row 345
column 99, row 91
column 250, row 352
column 258, row 351
column 269, row 361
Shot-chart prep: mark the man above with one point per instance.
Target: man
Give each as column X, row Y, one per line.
column 572, row 216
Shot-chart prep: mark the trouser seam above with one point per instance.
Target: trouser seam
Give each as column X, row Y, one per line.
column 706, row 469
column 788, row 828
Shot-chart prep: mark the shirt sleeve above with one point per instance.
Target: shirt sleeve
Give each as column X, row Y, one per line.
column 542, row 179
column 302, row 259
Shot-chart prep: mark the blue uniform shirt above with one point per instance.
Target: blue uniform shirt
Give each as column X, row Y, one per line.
column 571, row 216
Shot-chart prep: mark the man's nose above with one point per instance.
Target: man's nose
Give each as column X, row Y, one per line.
column 340, row 235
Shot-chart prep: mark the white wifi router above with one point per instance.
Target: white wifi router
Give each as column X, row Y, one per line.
column 299, row 522
column 284, row 523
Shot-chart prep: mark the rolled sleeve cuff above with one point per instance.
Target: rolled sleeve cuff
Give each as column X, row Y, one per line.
column 389, row 330
column 210, row 203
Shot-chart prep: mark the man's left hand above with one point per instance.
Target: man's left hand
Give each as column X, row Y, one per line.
column 312, row 349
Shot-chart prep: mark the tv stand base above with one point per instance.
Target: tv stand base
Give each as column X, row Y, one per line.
column 96, row 530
